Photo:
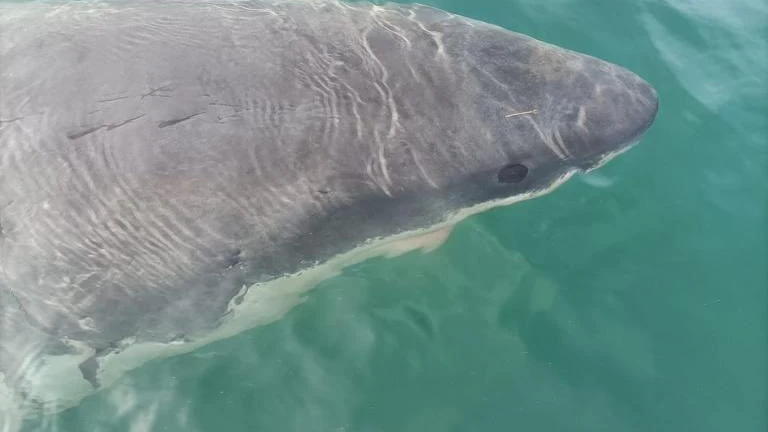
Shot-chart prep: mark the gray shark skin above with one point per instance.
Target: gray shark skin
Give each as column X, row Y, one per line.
column 159, row 158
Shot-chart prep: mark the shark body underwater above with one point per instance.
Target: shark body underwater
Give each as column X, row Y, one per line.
column 174, row 173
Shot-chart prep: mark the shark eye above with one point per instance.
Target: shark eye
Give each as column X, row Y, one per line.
column 513, row 173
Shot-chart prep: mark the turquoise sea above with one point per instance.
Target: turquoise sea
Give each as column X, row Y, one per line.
column 631, row 299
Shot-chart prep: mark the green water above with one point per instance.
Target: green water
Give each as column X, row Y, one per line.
column 630, row 300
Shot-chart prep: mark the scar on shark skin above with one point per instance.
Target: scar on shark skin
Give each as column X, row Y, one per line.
column 533, row 111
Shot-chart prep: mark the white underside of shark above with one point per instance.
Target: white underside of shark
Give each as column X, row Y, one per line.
column 55, row 383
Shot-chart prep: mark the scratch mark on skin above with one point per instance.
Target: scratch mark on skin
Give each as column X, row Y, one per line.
column 176, row 121
column 533, row 111
column 11, row 120
column 123, row 123
column 112, row 99
column 109, row 127
column 74, row 136
column 153, row 92
column 21, row 307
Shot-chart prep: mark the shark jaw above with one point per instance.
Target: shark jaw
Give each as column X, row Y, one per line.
column 55, row 383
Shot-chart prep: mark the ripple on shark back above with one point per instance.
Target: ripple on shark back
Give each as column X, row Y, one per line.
column 177, row 173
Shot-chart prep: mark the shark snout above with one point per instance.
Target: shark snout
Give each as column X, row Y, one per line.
column 608, row 116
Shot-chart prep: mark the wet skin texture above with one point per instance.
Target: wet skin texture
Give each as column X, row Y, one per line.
column 156, row 157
